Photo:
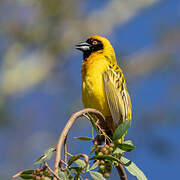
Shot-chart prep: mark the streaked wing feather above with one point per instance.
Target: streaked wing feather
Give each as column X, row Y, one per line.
column 117, row 96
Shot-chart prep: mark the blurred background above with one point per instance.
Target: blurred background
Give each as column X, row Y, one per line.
column 40, row 82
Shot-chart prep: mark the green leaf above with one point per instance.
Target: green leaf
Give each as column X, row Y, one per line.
column 73, row 171
column 49, row 153
column 108, row 157
column 133, row 169
column 73, row 158
column 68, row 174
column 69, row 154
column 84, row 138
column 128, row 142
column 95, row 165
column 121, row 130
column 29, row 171
column 80, row 163
column 118, row 151
column 126, row 146
column 96, row 175
column 63, row 175
column 45, row 157
column 93, row 148
column 93, row 124
column 92, row 133
column 40, row 160
column 26, row 176
column 77, row 169
column 48, row 178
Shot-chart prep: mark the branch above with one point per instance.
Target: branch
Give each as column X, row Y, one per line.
column 57, row 177
column 121, row 172
column 66, row 130
column 62, row 141
column 65, row 152
column 17, row 175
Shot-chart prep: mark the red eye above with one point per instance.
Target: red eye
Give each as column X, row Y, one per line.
column 94, row 42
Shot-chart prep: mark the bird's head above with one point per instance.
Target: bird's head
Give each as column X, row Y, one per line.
column 96, row 45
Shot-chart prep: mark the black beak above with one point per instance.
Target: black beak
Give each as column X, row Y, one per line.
column 83, row 46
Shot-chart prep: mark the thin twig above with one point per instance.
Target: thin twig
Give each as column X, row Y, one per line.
column 122, row 172
column 57, row 177
column 66, row 130
column 63, row 162
column 65, row 152
column 17, row 175
column 103, row 133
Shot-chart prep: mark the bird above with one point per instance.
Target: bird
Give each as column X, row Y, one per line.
column 103, row 83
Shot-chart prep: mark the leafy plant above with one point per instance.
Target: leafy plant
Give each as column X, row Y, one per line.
column 98, row 163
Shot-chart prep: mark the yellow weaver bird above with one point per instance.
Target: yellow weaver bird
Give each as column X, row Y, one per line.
column 103, row 83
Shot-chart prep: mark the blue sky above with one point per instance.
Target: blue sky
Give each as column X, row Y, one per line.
column 157, row 141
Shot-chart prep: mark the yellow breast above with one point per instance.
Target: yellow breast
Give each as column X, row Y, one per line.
column 93, row 93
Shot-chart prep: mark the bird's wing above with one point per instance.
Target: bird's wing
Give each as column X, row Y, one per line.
column 117, row 94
